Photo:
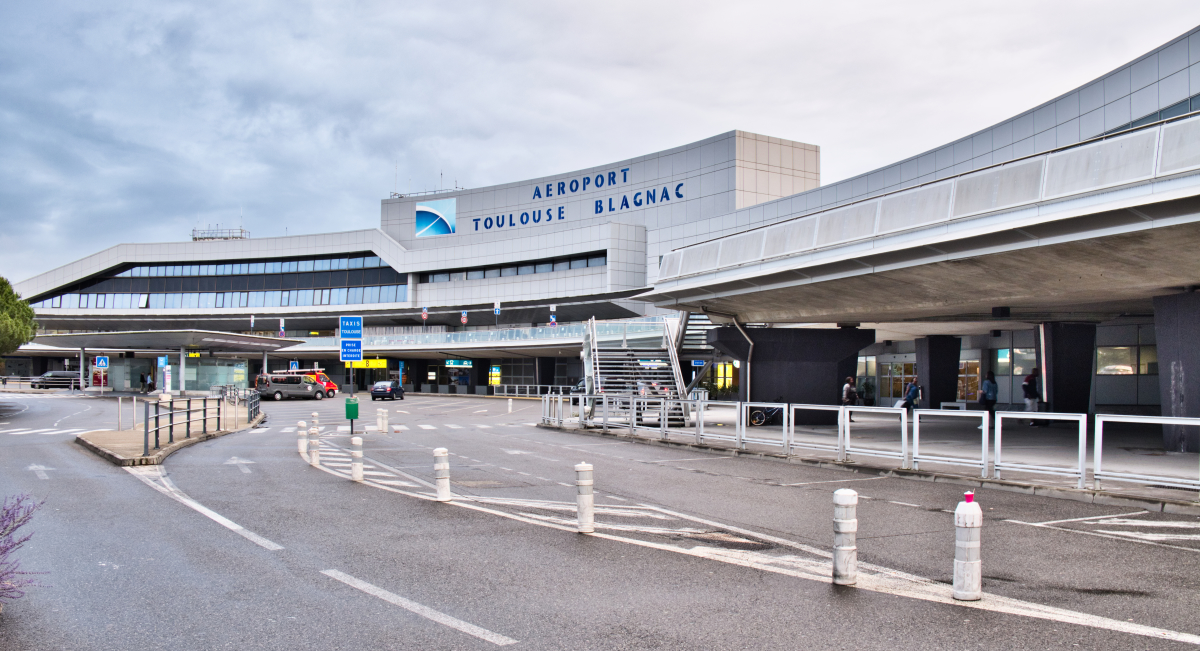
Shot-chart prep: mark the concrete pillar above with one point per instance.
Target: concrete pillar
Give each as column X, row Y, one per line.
column 1177, row 329
column 264, row 368
column 937, row 369
column 1067, row 351
column 83, row 375
column 182, row 370
column 795, row 364
column 545, row 370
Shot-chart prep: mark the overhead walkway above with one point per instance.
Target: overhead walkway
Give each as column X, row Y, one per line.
column 1086, row 231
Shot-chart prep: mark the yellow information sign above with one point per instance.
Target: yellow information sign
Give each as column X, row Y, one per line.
column 193, row 354
column 368, row 363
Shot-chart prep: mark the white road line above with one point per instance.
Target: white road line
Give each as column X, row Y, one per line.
column 1140, row 535
column 1104, row 535
column 423, row 611
column 148, row 475
column 399, row 428
column 396, row 482
column 426, row 426
column 696, row 459
column 343, row 428
column 1166, row 524
column 259, row 430
column 289, row 430
column 454, row 426
column 484, row 426
column 1094, row 517
column 832, row 481
column 16, row 432
column 915, row 506
column 480, row 411
column 39, row 431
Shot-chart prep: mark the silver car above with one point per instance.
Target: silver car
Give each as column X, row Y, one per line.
column 278, row 387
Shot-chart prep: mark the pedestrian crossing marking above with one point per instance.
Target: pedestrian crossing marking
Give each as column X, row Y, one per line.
column 426, row 426
column 399, row 428
column 484, row 426
column 454, row 426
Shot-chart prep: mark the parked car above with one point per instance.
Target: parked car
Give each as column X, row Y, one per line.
column 581, row 387
column 55, row 380
column 279, row 387
column 387, row 390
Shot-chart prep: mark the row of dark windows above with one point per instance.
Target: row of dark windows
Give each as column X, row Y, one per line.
column 597, row 259
column 325, row 263
column 313, row 280
column 1172, row 111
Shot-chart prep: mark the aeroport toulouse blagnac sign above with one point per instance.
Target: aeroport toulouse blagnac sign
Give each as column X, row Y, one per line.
column 439, row 217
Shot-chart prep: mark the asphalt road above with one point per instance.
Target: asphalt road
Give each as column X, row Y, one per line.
column 240, row 543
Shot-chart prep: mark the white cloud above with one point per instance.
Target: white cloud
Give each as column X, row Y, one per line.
column 137, row 123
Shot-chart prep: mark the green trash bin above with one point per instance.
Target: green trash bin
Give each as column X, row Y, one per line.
column 351, row 408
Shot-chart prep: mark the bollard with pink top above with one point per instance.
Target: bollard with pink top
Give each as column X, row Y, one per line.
column 968, row 569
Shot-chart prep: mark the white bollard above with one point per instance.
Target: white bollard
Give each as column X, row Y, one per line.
column 441, row 473
column 968, row 568
column 584, row 500
column 302, row 437
column 314, row 446
column 845, row 535
column 384, row 429
column 356, row 458
column 314, row 420
column 510, row 405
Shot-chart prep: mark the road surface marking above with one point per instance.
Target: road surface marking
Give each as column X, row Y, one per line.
column 259, row 430
column 289, row 430
column 1168, row 524
column 1139, row 535
column 423, row 611
column 38, row 431
column 40, row 471
column 915, row 506
column 16, row 432
column 454, row 426
column 426, row 426
column 153, row 477
column 399, row 428
column 484, row 426
column 1105, row 535
column 480, row 411
column 1094, row 517
column 343, row 428
column 832, row 481
column 240, row 463
column 679, row 460
column 396, row 482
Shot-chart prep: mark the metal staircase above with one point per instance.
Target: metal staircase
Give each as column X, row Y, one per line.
column 632, row 358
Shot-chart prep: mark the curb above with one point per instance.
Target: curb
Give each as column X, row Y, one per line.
column 160, row 456
column 1057, row 492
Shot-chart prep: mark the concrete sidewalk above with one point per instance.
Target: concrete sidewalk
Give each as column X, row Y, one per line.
column 125, row 448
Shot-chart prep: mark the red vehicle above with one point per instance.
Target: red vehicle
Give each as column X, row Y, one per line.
column 318, row 375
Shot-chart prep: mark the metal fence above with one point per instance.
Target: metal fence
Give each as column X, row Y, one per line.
column 38, row 382
column 530, row 390
column 166, row 415
column 665, row 417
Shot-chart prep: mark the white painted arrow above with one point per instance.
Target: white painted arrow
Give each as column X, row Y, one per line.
column 40, row 471
column 240, row 463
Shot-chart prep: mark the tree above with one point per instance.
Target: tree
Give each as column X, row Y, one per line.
column 17, row 326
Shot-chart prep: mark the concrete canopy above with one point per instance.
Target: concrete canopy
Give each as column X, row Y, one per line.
column 167, row 340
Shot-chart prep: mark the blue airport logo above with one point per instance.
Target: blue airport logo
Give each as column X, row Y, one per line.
column 436, row 217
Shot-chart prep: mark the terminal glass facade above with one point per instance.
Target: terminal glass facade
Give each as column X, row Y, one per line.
column 332, row 280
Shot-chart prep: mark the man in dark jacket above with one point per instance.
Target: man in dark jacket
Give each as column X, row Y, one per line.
column 1030, row 387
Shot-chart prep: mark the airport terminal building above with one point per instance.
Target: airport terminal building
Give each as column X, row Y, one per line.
column 1063, row 238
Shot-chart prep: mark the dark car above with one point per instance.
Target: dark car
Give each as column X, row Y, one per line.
column 55, row 379
column 387, row 390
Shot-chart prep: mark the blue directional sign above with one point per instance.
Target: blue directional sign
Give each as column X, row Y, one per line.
column 697, row 362
column 350, row 327
column 293, row 365
column 102, row 361
column 553, row 321
column 163, row 361
column 351, row 350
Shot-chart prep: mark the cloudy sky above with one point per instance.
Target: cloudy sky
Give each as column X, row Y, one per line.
column 137, row 121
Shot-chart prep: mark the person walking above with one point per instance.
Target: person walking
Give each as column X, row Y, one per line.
column 989, row 391
column 912, row 395
column 850, row 396
column 1030, row 388
column 142, row 382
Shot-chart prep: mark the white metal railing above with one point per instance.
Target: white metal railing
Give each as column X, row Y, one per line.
column 529, row 390
column 1080, row 469
column 837, row 447
column 917, row 457
column 1099, row 473
column 38, row 382
column 768, row 410
column 848, row 447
